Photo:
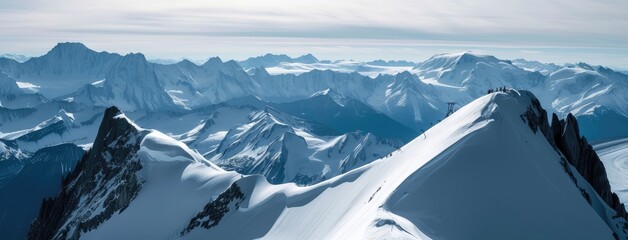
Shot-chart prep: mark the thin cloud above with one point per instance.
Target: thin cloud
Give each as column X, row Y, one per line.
column 32, row 26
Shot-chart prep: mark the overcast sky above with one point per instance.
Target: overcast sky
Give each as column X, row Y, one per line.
column 547, row 30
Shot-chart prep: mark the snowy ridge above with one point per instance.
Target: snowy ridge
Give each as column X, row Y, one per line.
column 511, row 177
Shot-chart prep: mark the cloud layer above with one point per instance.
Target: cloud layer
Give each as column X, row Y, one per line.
column 552, row 30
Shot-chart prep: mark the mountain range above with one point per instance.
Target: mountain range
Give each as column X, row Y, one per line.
column 108, row 140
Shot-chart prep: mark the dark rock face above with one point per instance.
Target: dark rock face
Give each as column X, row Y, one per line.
column 536, row 118
column 103, row 182
column 564, row 136
column 580, row 154
column 214, row 211
column 56, row 128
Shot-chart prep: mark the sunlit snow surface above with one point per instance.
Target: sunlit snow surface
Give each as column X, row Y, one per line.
column 481, row 173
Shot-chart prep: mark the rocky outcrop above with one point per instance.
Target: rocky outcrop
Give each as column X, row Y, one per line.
column 215, row 210
column 580, row 154
column 564, row 136
column 103, row 182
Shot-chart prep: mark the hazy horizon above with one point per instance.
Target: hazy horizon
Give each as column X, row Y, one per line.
column 557, row 31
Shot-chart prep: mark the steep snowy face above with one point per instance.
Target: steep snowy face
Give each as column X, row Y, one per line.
column 209, row 134
column 409, row 101
column 267, row 145
column 108, row 170
column 131, row 84
column 330, row 94
column 193, row 86
column 123, row 162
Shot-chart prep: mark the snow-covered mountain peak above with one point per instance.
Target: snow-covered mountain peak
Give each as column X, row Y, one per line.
column 333, row 95
column 132, row 84
column 212, row 62
column 307, row 58
column 58, row 123
column 407, row 79
column 66, row 116
column 270, row 115
column 187, row 63
column 69, row 48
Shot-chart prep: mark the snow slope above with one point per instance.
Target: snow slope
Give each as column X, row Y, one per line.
column 484, row 172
